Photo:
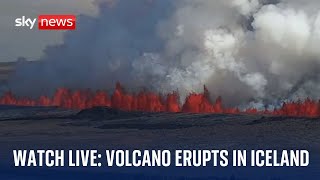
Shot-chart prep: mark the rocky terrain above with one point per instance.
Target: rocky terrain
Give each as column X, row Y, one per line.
column 102, row 127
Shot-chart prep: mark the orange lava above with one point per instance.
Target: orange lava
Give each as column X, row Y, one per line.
column 153, row 102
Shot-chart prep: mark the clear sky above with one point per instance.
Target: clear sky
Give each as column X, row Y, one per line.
column 30, row 43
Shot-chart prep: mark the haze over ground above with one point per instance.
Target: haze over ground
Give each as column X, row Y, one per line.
column 16, row 42
column 251, row 52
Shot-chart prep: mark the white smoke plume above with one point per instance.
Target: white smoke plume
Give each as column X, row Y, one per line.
column 251, row 52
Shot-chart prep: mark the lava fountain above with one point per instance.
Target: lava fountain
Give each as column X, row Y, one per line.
column 154, row 102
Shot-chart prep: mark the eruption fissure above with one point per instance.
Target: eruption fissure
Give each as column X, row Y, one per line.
column 153, row 102
column 251, row 52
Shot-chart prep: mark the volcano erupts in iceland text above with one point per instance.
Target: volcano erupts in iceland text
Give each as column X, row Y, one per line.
column 154, row 102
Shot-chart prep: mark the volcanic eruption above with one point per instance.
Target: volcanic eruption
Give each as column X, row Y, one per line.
column 260, row 56
column 152, row 102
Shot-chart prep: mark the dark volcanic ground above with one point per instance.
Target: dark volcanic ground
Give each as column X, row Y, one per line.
column 50, row 127
column 156, row 130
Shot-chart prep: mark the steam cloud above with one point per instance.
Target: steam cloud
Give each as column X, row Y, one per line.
column 251, row 52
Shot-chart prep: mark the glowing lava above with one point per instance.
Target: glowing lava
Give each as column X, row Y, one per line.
column 153, row 102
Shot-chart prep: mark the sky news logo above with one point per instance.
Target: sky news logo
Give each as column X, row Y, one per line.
column 48, row 22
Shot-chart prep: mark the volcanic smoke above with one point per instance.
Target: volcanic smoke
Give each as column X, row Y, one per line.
column 252, row 53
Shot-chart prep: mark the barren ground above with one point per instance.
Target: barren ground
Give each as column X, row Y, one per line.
column 55, row 128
